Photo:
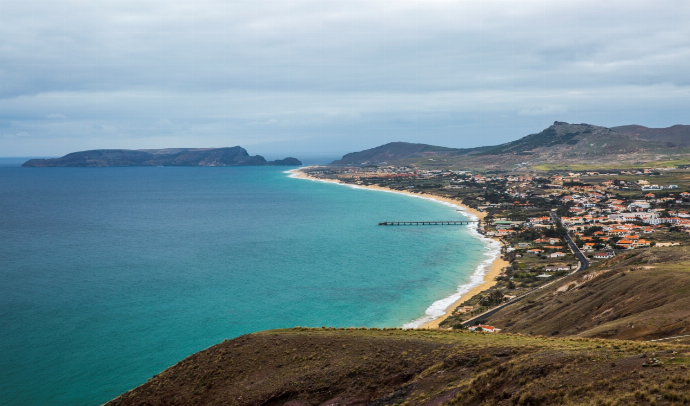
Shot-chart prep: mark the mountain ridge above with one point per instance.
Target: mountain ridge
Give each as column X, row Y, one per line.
column 561, row 142
column 397, row 150
column 677, row 134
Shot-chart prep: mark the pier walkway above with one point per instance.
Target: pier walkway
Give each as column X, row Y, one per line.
column 428, row 223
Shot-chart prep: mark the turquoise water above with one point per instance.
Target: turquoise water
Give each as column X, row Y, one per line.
column 110, row 275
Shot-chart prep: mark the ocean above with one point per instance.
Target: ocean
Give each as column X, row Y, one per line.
column 110, row 275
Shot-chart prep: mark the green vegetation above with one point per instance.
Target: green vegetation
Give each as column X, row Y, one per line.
column 547, row 167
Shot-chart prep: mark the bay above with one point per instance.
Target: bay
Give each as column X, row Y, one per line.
column 110, row 275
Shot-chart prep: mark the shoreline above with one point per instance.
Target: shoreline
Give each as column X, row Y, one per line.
column 482, row 278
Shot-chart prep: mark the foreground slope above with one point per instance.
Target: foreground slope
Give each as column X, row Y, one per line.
column 301, row 367
column 639, row 295
column 235, row 156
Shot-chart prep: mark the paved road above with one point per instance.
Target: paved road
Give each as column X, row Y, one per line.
column 584, row 262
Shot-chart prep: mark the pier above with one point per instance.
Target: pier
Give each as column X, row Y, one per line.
column 428, row 223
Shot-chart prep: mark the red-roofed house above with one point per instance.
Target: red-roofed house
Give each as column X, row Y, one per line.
column 485, row 328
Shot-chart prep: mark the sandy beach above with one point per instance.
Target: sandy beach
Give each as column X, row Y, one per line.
column 489, row 278
column 489, row 281
column 297, row 173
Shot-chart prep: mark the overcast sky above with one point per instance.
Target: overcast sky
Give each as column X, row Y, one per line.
column 297, row 77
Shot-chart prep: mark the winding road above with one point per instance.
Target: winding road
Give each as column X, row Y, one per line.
column 584, row 264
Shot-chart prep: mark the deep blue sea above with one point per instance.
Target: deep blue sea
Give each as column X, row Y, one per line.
column 110, row 275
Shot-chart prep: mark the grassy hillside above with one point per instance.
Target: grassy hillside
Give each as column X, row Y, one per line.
column 674, row 136
column 559, row 134
column 396, row 151
column 301, row 367
column 665, row 161
column 561, row 145
column 641, row 295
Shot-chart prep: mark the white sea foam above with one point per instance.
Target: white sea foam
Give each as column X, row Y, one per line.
column 439, row 307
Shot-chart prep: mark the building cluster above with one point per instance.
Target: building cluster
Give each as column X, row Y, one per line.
column 597, row 224
column 621, row 223
column 597, row 216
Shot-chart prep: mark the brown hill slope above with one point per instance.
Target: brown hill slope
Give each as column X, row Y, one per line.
column 395, row 151
column 559, row 144
column 674, row 136
column 304, row 367
column 638, row 295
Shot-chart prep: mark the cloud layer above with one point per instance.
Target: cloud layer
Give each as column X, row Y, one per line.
column 307, row 76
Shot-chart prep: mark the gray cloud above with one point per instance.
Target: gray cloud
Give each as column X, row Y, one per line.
column 308, row 75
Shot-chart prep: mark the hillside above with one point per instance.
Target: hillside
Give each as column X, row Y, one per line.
column 305, row 367
column 559, row 144
column 675, row 136
column 396, row 151
column 569, row 140
column 235, row 156
column 641, row 295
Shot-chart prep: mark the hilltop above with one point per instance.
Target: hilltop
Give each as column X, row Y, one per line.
column 235, row 156
column 560, row 143
column 305, row 367
column 395, row 151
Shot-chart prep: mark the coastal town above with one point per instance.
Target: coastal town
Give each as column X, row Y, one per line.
column 533, row 214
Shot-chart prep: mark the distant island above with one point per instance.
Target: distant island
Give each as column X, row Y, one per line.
column 230, row 156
